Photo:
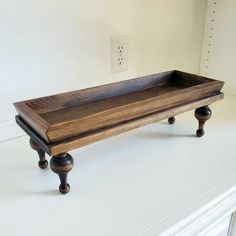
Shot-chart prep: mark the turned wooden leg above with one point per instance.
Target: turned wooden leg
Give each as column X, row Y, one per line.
column 202, row 114
column 171, row 120
column 43, row 163
column 61, row 165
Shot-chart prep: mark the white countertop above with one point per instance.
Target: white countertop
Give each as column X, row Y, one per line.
column 159, row 179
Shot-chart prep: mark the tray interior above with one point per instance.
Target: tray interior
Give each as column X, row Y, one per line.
column 92, row 108
column 84, row 103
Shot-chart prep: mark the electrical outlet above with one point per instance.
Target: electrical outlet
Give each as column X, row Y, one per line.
column 119, row 53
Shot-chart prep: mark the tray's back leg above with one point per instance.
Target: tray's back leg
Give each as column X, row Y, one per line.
column 61, row 165
column 202, row 114
column 43, row 163
column 171, row 120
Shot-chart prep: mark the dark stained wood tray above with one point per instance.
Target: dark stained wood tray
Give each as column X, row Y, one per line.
column 60, row 123
column 60, row 117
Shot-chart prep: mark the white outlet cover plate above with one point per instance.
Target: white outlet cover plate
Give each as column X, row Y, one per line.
column 119, row 53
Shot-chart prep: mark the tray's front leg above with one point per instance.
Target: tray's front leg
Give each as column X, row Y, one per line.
column 202, row 114
column 43, row 163
column 61, row 165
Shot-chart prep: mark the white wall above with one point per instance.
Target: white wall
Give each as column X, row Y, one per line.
column 222, row 44
column 53, row 46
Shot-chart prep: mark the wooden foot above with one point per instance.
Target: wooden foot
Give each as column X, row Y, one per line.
column 202, row 114
column 43, row 163
column 61, row 165
column 171, row 120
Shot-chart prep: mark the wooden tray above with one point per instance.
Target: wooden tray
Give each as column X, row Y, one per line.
column 64, row 116
column 60, row 123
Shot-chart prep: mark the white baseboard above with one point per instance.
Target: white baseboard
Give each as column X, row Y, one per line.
column 9, row 130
